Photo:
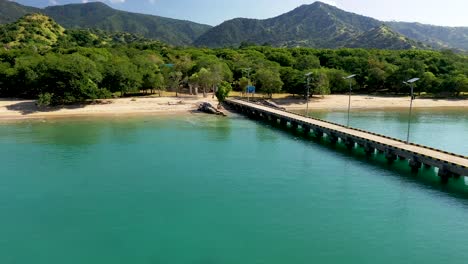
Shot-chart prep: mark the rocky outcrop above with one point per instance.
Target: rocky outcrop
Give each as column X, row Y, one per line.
column 209, row 109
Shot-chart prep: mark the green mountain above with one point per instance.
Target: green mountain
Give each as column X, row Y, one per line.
column 436, row 36
column 324, row 26
column 34, row 29
column 42, row 32
column 317, row 25
column 383, row 37
column 11, row 11
column 96, row 15
column 100, row 16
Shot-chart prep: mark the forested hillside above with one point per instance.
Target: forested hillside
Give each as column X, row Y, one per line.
column 436, row 36
column 321, row 25
column 70, row 66
column 97, row 15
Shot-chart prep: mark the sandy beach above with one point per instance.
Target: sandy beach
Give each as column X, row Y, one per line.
column 26, row 109
column 339, row 102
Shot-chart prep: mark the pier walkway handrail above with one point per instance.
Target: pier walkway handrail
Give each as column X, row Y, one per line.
column 445, row 161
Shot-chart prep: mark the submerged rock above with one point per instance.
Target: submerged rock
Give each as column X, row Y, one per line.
column 209, row 109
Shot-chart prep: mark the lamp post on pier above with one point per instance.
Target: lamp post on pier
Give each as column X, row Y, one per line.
column 350, row 89
column 411, row 84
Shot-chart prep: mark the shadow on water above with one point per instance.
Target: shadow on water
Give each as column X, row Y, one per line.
column 400, row 169
column 27, row 108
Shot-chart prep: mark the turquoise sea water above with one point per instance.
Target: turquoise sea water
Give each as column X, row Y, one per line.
column 201, row 189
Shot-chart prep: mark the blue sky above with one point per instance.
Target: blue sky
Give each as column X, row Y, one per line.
column 213, row 12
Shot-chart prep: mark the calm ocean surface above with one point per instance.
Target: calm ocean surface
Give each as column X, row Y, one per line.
column 199, row 189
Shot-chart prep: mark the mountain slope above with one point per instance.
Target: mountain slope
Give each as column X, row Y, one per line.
column 33, row 29
column 436, row 36
column 11, row 11
column 383, row 37
column 324, row 26
column 42, row 32
column 316, row 25
column 100, row 16
column 96, row 15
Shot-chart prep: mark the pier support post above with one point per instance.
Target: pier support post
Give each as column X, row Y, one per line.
column 349, row 143
column 256, row 115
column 415, row 164
column 333, row 138
column 283, row 122
column 250, row 113
column 318, row 133
column 294, row 125
column 444, row 174
column 390, row 156
column 369, row 149
column 306, row 129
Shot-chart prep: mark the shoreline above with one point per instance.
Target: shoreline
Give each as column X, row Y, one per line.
column 18, row 110
column 367, row 102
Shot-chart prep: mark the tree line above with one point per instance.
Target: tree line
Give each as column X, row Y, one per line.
column 68, row 74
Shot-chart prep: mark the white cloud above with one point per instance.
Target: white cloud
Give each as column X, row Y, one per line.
column 53, row 2
column 152, row 2
column 117, row 1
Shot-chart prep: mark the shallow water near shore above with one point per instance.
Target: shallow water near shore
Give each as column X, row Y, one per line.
column 202, row 189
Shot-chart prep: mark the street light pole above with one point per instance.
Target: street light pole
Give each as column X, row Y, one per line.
column 411, row 84
column 350, row 89
column 308, row 92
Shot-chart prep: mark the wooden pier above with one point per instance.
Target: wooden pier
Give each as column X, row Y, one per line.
column 448, row 164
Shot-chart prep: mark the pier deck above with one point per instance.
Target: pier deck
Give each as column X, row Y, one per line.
column 449, row 164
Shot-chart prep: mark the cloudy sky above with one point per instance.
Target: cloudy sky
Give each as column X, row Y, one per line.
column 213, row 12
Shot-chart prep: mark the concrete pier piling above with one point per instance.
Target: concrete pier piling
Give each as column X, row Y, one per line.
column 415, row 164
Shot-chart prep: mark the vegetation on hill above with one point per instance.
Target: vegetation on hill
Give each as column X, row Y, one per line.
column 435, row 36
column 383, row 37
column 317, row 25
column 96, row 15
column 34, row 29
column 321, row 25
column 39, row 32
column 79, row 65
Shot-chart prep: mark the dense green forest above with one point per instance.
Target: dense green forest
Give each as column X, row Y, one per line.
column 42, row 60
